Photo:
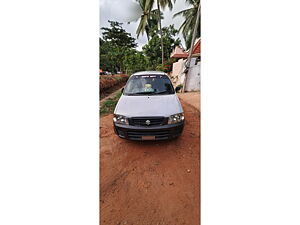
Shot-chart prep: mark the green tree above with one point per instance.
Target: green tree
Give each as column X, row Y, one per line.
column 114, row 46
column 135, row 61
column 118, row 36
column 188, row 25
column 147, row 6
column 149, row 19
column 153, row 49
column 110, row 57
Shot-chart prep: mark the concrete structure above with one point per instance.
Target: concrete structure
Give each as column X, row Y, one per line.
column 193, row 76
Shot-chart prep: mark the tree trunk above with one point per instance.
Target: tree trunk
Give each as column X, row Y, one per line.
column 161, row 36
column 188, row 61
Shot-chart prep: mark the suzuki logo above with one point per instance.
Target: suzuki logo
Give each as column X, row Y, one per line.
column 148, row 122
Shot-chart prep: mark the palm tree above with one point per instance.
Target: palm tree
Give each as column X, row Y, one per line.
column 144, row 18
column 147, row 6
column 148, row 22
column 187, row 27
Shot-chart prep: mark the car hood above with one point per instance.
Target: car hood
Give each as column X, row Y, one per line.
column 140, row 106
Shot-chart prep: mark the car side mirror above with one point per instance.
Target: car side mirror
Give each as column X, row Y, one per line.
column 177, row 89
column 122, row 90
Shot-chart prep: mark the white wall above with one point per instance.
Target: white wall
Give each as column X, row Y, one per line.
column 176, row 72
column 193, row 78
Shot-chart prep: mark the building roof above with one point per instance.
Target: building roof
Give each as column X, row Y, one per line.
column 178, row 52
column 197, row 47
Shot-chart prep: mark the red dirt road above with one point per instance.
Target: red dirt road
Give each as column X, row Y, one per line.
column 150, row 183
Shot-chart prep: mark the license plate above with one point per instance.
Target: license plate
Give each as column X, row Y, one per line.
column 148, row 137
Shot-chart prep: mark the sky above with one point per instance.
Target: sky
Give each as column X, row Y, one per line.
column 125, row 11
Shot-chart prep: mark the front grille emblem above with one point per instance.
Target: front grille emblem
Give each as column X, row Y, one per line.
column 148, row 122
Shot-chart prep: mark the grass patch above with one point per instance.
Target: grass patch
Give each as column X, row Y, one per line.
column 103, row 110
column 118, row 95
column 109, row 105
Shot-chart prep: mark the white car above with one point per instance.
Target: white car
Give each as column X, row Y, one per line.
column 148, row 108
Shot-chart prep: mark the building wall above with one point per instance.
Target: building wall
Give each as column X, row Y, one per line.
column 193, row 81
column 176, row 71
column 193, row 78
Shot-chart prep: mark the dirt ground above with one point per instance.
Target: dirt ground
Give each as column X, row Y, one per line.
column 151, row 183
column 105, row 93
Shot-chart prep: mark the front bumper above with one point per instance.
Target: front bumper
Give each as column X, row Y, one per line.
column 136, row 133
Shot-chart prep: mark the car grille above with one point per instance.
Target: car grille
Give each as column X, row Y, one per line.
column 159, row 135
column 148, row 121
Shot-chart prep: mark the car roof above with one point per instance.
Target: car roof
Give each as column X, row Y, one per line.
column 149, row 73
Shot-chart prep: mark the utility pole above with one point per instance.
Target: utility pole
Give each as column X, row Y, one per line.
column 188, row 61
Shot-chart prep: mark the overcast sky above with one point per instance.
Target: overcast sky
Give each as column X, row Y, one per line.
column 128, row 10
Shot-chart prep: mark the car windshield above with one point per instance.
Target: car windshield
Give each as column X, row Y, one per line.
column 149, row 85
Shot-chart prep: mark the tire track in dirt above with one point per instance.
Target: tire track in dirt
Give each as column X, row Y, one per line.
column 144, row 183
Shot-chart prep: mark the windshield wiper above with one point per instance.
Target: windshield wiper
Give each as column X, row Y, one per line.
column 162, row 92
column 142, row 93
column 150, row 93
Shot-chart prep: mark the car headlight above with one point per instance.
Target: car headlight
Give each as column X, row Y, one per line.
column 176, row 118
column 120, row 119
